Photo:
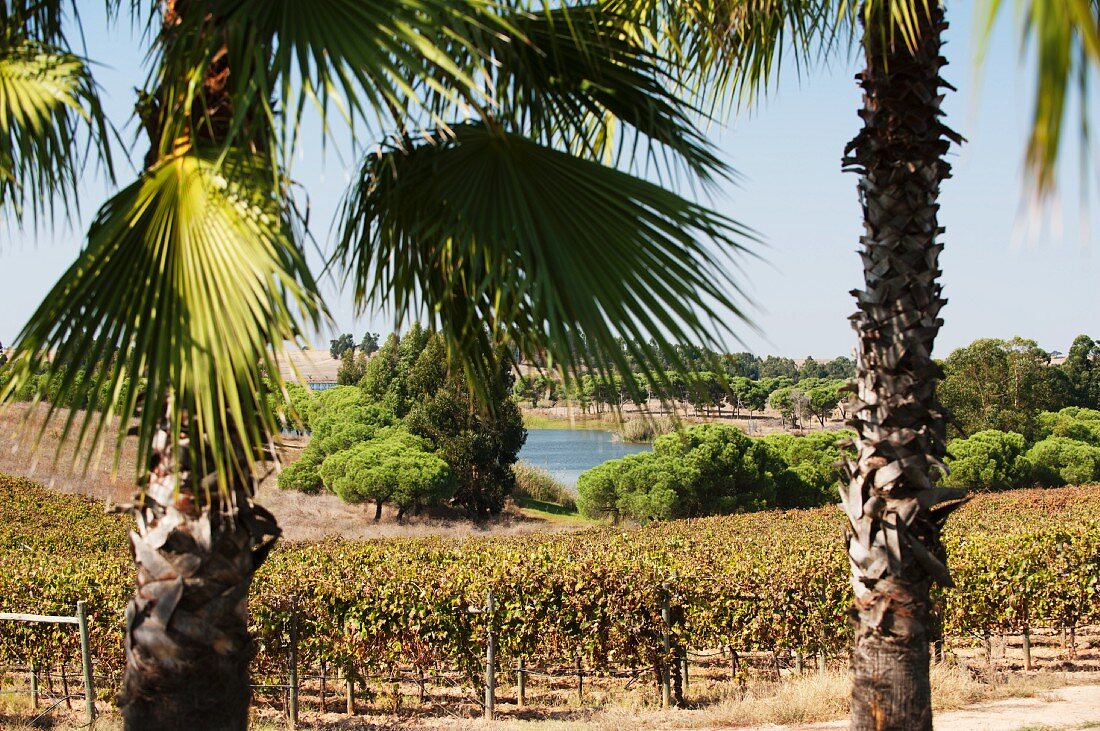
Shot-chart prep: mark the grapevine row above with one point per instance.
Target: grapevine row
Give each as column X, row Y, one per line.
column 764, row 581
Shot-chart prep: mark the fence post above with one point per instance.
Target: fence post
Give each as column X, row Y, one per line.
column 798, row 662
column 684, row 672
column 34, row 686
column 86, row 660
column 490, row 657
column 292, row 658
column 350, row 687
column 666, row 636
column 580, row 681
column 822, row 664
column 65, row 686
column 521, row 683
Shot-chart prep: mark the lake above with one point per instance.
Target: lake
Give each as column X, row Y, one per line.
column 566, row 453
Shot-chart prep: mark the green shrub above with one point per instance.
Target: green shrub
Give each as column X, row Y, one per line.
column 341, row 419
column 710, row 469
column 1082, row 425
column 302, row 474
column 1062, row 461
column 395, row 467
column 814, row 459
column 988, row 460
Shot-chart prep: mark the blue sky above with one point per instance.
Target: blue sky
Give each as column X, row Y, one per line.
column 1007, row 271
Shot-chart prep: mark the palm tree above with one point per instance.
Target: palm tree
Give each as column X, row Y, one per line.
column 895, row 513
column 47, row 96
column 502, row 201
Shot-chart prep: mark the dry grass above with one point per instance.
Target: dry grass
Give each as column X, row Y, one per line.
column 800, row 700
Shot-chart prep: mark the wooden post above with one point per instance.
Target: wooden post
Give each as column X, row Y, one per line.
column 34, row 686
column 580, row 681
column 65, row 686
column 86, row 661
column 324, row 687
column 521, row 683
column 490, row 657
column 1027, row 648
column 684, row 672
column 292, row 661
column 1073, row 640
column 987, row 643
column 666, row 636
column 822, row 662
column 798, row 662
column 350, row 688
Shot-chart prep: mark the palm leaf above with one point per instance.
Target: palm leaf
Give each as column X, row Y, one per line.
column 366, row 56
column 1065, row 37
column 499, row 239
column 569, row 77
column 731, row 51
column 46, row 96
column 193, row 280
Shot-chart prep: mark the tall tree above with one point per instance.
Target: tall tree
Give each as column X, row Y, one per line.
column 369, row 346
column 501, row 170
column 894, row 513
column 895, row 516
column 340, row 345
column 1082, row 367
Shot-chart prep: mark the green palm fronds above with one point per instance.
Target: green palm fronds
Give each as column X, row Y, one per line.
column 193, row 279
column 46, row 97
column 500, row 239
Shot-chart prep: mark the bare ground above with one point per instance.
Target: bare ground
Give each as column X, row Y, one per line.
column 1037, row 702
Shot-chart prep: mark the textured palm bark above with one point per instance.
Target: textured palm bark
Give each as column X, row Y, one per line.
column 895, row 514
column 187, row 641
column 196, row 544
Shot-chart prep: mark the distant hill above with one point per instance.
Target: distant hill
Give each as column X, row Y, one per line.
column 312, row 366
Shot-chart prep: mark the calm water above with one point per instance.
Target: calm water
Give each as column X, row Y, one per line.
column 566, row 453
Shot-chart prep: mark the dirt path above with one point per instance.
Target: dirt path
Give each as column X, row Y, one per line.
column 1075, row 707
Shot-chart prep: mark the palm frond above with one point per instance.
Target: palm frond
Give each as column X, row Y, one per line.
column 366, row 57
column 730, row 51
column 499, row 239
column 570, row 77
column 191, row 279
column 46, row 97
column 1065, row 38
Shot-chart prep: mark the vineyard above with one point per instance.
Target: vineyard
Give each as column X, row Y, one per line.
column 775, row 582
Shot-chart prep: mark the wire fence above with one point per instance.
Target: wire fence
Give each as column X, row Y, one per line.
column 671, row 674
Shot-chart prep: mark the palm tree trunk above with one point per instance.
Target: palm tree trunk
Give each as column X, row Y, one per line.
column 895, row 515
column 197, row 544
column 187, row 641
